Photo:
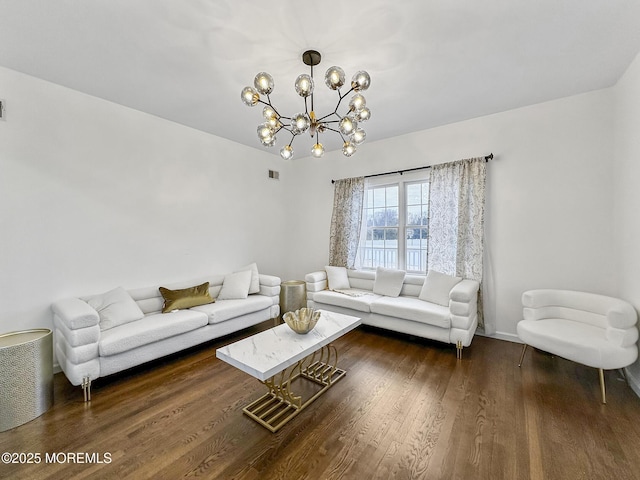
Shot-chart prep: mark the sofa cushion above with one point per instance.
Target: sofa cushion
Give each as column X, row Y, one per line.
column 437, row 286
column 236, row 285
column 360, row 300
column 254, row 287
column 115, row 307
column 337, row 278
column 151, row 328
column 224, row 310
column 409, row 308
column 185, row 297
column 388, row 281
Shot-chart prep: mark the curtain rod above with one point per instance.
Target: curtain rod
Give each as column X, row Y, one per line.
column 486, row 159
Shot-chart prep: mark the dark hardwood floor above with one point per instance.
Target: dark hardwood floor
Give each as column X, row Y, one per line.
column 407, row 409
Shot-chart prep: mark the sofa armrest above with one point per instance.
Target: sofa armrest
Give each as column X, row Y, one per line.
column 622, row 315
column 622, row 337
column 270, row 287
column 269, row 280
column 75, row 313
column 465, row 291
column 316, row 281
column 314, row 277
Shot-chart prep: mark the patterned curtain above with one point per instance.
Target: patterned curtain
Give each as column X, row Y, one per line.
column 456, row 222
column 345, row 222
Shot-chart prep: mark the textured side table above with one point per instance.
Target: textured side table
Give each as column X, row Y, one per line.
column 26, row 376
column 293, row 296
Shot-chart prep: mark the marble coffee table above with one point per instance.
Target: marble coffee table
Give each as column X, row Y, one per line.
column 279, row 357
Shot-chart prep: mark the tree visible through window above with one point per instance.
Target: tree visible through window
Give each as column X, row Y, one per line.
column 395, row 220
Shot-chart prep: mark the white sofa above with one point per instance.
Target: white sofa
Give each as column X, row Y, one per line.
column 86, row 351
column 454, row 320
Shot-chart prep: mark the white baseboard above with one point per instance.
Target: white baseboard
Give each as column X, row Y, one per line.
column 56, row 368
column 509, row 337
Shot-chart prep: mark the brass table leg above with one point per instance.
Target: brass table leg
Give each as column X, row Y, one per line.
column 280, row 405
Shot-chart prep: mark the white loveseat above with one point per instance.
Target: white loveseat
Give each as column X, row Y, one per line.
column 452, row 320
column 596, row 330
column 86, row 350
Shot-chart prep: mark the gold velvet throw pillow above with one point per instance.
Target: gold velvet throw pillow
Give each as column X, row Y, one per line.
column 186, row 297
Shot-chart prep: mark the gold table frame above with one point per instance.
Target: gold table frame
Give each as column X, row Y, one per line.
column 280, row 405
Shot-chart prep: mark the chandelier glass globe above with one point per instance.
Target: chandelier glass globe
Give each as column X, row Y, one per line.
column 304, row 85
column 250, row 96
column 360, row 81
column 263, row 83
column 299, row 124
column 358, row 136
column 348, row 149
column 334, row 78
column 348, row 125
column 357, row 102
column 286, row 152
column 363, row 115
column 317, row 150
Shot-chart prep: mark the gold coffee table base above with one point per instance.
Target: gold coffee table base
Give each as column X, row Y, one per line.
column 280, row 405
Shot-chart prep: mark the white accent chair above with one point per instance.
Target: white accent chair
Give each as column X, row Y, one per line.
column 595, row 330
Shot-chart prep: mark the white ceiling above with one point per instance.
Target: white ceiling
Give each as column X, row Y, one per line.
column 432, row 62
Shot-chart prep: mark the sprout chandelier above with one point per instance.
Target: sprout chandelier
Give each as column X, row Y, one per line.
column 347, row 124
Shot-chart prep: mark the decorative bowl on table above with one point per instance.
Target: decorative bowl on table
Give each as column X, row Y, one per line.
column 302, row 321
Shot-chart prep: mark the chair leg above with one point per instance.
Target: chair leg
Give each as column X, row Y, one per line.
column 459, row 350
column 602, row 389
column 624, row 375
column 524, row 349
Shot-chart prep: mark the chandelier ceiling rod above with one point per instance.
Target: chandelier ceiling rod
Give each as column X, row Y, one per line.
column 348, row 129
column 311, row 58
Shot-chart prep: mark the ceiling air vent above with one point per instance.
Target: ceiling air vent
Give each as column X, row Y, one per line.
column 273, row 174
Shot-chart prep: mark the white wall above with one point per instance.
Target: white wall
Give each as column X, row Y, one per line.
column 94, row 195
column 627, row 192
column 549, row 196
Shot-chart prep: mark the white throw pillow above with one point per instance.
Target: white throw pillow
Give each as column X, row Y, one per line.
column 388, row 281
column 337, row 278
column 437, row 286
column 235, row 285
column 255, row 277
column 115, row 307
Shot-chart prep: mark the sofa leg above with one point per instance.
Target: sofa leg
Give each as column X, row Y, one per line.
column 602, row 389
column 86, row 389
column 524, row 349
column 459, row 348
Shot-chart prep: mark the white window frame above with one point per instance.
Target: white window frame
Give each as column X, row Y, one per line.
column 401, row 182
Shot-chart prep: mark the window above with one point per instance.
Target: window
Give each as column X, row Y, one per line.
column 381, row 217
column 417, row 202
column 395, row 223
